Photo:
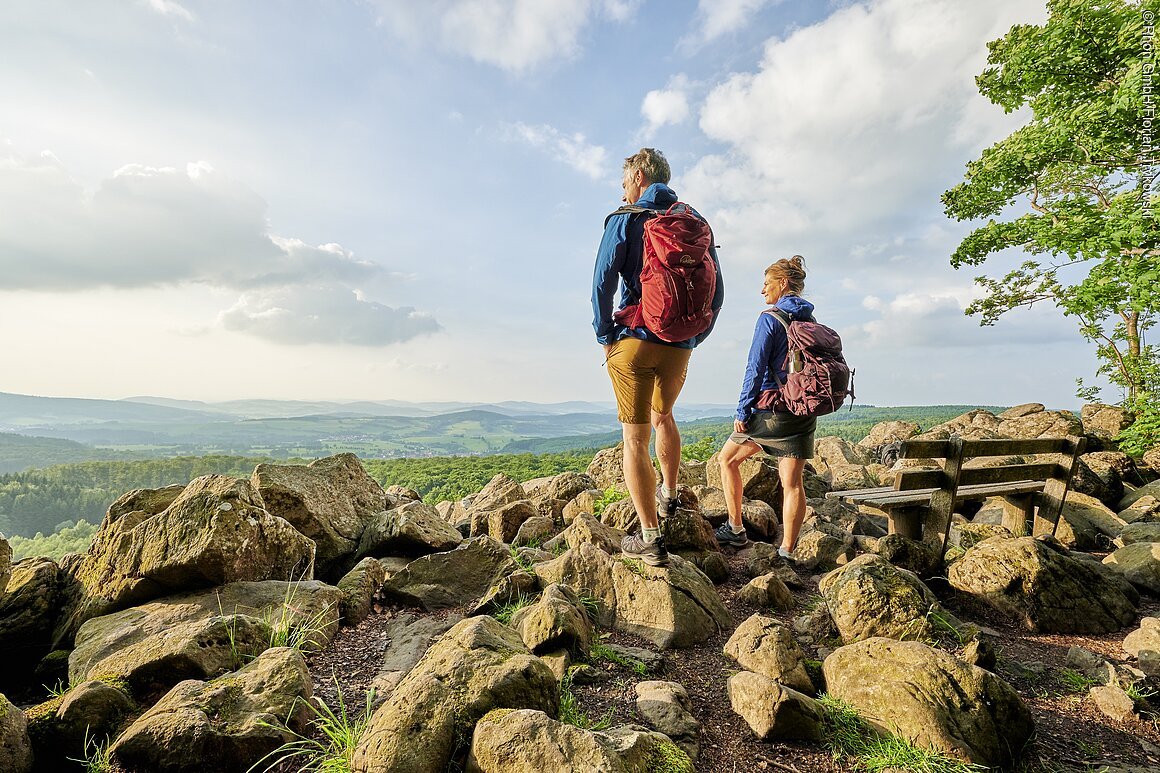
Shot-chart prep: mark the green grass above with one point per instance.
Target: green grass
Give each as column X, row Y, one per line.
column 601, row 652
column 1139, row 693
column 610, row 495
column 338, row 731
column 505, row 613
column 572, row 714
column 591, row 606
column 522, row 562
column 96, row 759
column 634, row 566
column 847, row 734
column 1073, row 681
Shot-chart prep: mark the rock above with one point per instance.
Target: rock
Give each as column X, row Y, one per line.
column 358, row 588
column 452, row 579
column 5, row 564
column 330, row 500
column 1113, row 701
column 607, row 468
column 1143, row 510
column 759, row 478
column 1090, row 665
column 888, row 432
column 1104, row 422
column 552, row 509
column 760, row 520
column 1038, row 582
column 1147, row 490
column 535, row 531
column 556, row 621
column 90, row 711
column 967, row 535
column 849, row 477
column 972, row 425
column 712, row 563
column 1086, row 513
column 413, row 529
column 1115, row 469
column 763, row 646
column 620, row 515
column 931, row 698
column 673, row 606
column 666, row 708
column 870, row 597
column 503, row 523
column 822, row 551
column 912, row 555
column 980, row 652
column 214, row 532
column 509, row 589
column 692, row 473
column 410, row 636
column 772, row 710
column 568, row 485
column 1139, row 532
column 834, row 451
column 687, row 529
column 15, row 747
column 1151, row 458
column 477, row 666
column 712, row 501
column 767, row 590
column 226, row 724
column 397, row 496
column 203, row 635
column 524, row 741
column 583, row 503
column 1139, row 563
column 760, row 558
column 28, row 610
column 1038, row 423
column 1106, row 485
column 1146, row 638
column 586, row 530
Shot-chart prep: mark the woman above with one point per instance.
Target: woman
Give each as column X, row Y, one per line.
column 757, row 426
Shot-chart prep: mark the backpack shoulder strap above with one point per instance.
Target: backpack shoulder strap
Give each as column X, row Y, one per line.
column 780, row 316
column 631, row 209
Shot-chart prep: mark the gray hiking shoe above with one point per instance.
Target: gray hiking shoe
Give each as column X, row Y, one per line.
column 652, row 553
column 666, row 505
column 725, row 536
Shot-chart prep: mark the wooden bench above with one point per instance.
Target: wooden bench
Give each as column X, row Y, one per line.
column 921, row 502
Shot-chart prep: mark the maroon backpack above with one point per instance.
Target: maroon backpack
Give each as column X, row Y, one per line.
column 817, row 378
column 678, row 277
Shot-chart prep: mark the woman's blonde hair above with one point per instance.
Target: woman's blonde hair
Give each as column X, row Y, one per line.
column 792, row 269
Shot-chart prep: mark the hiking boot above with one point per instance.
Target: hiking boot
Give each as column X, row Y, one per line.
column 666, row 505
column 725, row 536
column 652, row 553
column 787, row 557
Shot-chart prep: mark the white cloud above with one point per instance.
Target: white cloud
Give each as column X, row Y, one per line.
column 170, row 8
column 571, row 149
column 513, row 35
column 669, row 105
column 323, row 315
column 720, row 17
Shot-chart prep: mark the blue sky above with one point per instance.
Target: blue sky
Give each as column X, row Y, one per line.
column 402, row 200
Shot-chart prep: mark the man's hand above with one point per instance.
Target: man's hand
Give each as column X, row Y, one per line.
column 607, row 351
column 738, row 426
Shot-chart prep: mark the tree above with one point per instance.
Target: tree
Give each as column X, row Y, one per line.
column 1072, row 188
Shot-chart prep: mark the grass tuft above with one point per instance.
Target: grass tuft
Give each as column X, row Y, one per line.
column 96, row 759
column 338, row 731
column 602, row 652
column 1073, row 681
column 505, row 613
column 572, row 714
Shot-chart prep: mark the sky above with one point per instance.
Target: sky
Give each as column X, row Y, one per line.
column 387, row 199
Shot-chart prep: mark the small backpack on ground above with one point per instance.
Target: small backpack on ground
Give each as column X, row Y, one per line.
column 678, row 278
column 818, row 380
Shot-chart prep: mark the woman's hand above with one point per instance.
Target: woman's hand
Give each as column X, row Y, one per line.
column 738, row 426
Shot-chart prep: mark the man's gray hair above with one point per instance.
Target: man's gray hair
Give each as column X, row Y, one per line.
column 651, row 162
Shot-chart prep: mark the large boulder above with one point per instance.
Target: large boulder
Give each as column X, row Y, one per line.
column 673, row 606
column 409, row 636
column 527, row 741
column 557, row 621
column 15, row 747
column 871, row 597
column 1139, row 563
column 227, row 724
column 567, row 485
column 1037, row 581
column 1145, row 639
column 454, row 578
column 477, row 666
column 667, row 708
column 687, row 529
column 759, row 478
column 772, row 710
column 203, row 635
column 358, row 587
column 978, row 424
column 765, row 647
column 1104, row 422
column 1131, row 497
column 607, row 468
column 1144, row 531
column 62, row 727
column 586, row 529
column 413, row 529
column 503, row 523
column 931, row 698
column 1032, row 421
column 28, row 610
column 889, row 432
column 214, row 532
column 330, row 500
column 835, row 451
column 1145, row 509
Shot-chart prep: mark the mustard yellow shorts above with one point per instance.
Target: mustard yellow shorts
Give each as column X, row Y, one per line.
column 646, row 376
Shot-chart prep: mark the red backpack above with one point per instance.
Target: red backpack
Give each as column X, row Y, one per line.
column 818, row 380
column 678, row 278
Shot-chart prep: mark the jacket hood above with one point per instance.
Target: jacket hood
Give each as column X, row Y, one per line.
column 657, row 195
column 794, row 306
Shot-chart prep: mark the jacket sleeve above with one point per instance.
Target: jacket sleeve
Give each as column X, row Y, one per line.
column 760, row 351
column 606, row 277
column 718, row 297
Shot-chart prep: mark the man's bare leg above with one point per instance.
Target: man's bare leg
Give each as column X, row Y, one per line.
column 638, row 473
column 668, row 448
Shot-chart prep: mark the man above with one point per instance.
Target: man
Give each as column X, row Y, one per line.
column 647, row 372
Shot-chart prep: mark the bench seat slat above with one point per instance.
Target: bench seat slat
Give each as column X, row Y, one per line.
column 888, row 496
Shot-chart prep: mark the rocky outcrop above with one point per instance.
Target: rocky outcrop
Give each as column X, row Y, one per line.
column 763, row 646
column 214, row 532
column 931, row 698
column 200, row 636
column 673, row 606
column 15, row 747
column 413, row 529
column 454, row 578
column 477, row 666
column 1038, row 582
column 28, row 610
column 330, row 500
column 871, row 597
column 223, row 725
column 524, row 741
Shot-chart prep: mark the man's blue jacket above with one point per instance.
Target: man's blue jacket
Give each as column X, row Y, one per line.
column 619, row 260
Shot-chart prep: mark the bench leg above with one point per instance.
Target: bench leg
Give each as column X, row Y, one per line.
column 1017, row 513
column 906, row 521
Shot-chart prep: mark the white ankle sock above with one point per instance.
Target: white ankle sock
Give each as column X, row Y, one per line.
column 784, row 553
column 650, row 535
column 737, row 529
column 667, row 492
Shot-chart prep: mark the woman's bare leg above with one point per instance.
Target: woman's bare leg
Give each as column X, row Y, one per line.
column 730, row 459
column 793, row 499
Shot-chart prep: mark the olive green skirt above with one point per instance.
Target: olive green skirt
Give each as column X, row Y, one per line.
column 780, row 434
